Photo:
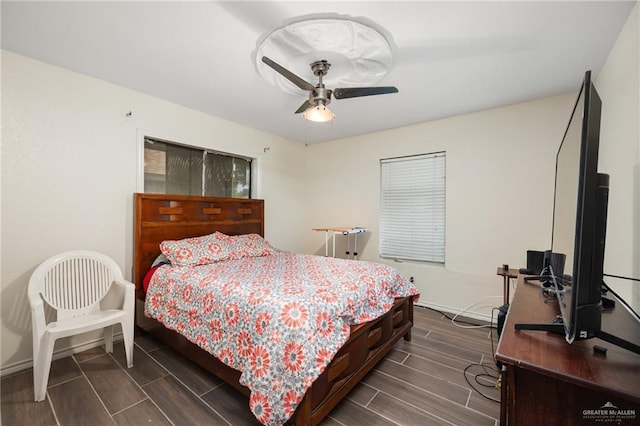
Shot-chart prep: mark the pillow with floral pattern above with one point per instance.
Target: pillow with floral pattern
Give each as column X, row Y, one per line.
column 248, row 245
column 196, row 250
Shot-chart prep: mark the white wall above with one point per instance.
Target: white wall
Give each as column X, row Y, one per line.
column 499, row 169
column 619, row 87
column 69, row 160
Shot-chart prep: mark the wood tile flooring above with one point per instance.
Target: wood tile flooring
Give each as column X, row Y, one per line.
column 422, row 382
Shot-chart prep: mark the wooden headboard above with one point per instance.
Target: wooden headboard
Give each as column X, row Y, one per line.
column 159, row 217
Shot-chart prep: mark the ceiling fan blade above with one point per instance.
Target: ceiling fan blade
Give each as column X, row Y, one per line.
column 305, row 106
column 288, row 75
column 355, row 92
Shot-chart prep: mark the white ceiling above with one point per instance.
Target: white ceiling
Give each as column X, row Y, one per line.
column 450, row 57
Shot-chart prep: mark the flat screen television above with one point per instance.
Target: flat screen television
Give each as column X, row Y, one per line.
column 579, row 225
column 580, row 217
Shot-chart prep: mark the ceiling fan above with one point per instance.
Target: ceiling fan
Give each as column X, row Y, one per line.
column 315, row 108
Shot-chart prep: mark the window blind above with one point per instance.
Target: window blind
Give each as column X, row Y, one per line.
column 412, row 211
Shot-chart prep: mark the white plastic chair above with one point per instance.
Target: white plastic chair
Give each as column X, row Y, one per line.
column 88, row 292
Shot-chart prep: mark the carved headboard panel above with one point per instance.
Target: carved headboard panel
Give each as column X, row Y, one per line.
column 159, row 217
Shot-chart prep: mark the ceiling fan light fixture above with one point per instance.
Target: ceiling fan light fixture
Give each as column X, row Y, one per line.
column 359, row 53
column 319, row 113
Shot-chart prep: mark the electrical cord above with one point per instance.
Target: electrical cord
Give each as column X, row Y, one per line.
column 467, row 324
column 621, row 277
column 458, row 322
column 490, row 372
column 487, row 369
column 488, row 379
column 490, row 325
column 620, row 299
column 489, row 376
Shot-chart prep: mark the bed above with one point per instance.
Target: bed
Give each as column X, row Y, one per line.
column 171, row 217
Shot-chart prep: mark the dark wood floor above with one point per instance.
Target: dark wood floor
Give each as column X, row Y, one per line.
column 421, row 382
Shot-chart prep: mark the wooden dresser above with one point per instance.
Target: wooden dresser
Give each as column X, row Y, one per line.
column 547, row 381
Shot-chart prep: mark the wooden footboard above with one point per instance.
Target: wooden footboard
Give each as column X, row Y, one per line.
column 368, row 344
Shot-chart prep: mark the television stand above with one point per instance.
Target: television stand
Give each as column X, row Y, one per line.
column 546, row 381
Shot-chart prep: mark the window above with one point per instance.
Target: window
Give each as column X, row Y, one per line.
column 412, row 211
column 177, row 169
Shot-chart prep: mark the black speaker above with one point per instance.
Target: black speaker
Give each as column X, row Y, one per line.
column 535, row 262
column 556, row 261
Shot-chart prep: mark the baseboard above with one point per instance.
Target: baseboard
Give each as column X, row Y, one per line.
column 61, row 353
column 454, row 311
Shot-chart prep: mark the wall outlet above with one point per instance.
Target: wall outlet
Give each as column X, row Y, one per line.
column 411, row 279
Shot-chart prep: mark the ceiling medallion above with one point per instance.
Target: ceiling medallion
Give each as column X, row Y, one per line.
column 359, row 54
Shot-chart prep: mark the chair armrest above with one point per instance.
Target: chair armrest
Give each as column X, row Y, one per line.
column 126, row 285
column 126, row 291
column 38, row 322
column 35, row 301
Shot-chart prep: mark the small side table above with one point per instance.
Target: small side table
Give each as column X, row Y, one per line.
column 341, row 230
column 506, row 275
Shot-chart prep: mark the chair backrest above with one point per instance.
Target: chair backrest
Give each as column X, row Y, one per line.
column 74, row 280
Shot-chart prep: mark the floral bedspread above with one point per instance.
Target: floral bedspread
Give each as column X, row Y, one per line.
column 278, row 319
